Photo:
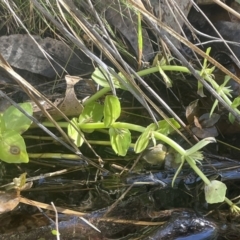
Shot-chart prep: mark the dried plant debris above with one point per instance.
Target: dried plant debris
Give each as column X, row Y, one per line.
column 125, row 21
column 204, row 125
column 48, row 57
column 192, row 110
column 8, row 201
column 69, row 104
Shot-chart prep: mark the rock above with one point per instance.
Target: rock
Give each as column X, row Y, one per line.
column 24, row 52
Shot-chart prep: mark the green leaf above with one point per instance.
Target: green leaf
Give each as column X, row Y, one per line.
column 222, row 90
column 75, row 135
column 199, row 146
column 13, row 148
column 204, row 72
column 16, row 120
column 91, row 113
column 2, row 124
column 165, row 128
column 100, row 77
column 124, row 79
column 21, row 181
column 112, row 110
column 166, row 79
column 162, row 60
column 227, row 78
column 55, row 232
column 236, row 102
column 120, row 140
column 200, row 90
column 213, row 107
column 140, row 37
column 181, row 160
column 215, row 192
column 231, row 118
column 155, row 155
column 143, row 140
column 205, row 61
column 234, row 105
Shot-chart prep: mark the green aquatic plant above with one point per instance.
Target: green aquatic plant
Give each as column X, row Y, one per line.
column 120, row 132
column 120, row 140
column 12, row 124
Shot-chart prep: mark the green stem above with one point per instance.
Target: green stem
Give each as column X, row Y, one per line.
column 129, row 126
column 142, row 73
column 151, row 70
column 157, row 135
column 38, row 137
column 136, row 128
column 97, row 95
column 223, row 95
column 54, row 156
column 192, row 164
column 165, row 68
column 185, row 70
column 133, row 127
column 104, row 143
column 49, row 124
column 228, row 201
column 170, row 142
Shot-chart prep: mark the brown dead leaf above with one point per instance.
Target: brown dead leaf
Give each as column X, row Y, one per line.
column 207, row 121
column 205, row 132
column 69, row 105
column 192, row 111
column 196, row 123
column 204, row 125
column 8, row 201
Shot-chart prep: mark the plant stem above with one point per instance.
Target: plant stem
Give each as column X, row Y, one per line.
column 192, row 164
column 142, row 73
column 133, row 127
column 170, row 142
column 157, row 135
column 54, row 156
column 97, row 95
column 148, row 71
column 50, row 124
column 228, row 201
column 223, row 95
column 165, row 68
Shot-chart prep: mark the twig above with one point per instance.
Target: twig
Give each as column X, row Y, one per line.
column 56, row 221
